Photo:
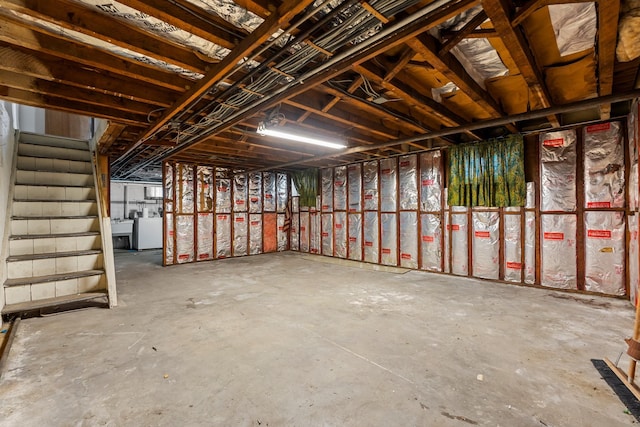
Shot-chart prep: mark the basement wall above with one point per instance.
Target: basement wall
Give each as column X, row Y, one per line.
column 7, row 144
column 578, row 230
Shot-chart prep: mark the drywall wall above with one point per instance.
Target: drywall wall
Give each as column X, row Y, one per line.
column 7, row 144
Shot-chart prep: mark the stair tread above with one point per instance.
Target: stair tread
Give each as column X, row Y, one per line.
column 51, row 278
column 52, row 302
column 56, row 200
column 82, row 150
column 48, row 170
column 53, row 185
column 49, row 236
column 20, row 218
column 53, row 255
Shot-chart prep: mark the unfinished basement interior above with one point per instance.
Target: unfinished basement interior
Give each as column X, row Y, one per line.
column 319, row 212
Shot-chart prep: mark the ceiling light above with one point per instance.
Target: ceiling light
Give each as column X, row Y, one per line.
column 298, row 137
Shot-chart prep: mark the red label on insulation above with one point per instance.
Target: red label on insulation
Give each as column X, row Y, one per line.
column 598, row 128
column 558, row 142
column 428, row 239
column 514, row 265
column 482, row 234
column 386, row 251
column 427, row 182
column 553, row 236
column 599, row 204
column 599, row 234
column 405, row 256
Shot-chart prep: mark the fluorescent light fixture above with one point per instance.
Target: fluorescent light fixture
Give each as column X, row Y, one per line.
column 300, row 138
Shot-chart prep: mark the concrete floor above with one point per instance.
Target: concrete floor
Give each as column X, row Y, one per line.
column 293, row 340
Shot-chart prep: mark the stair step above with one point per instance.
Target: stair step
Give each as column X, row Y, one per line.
column 49, row 152
column 54, row 243
column 53, row 165
column 53, row 141
column 53, row 225
column 39, row 218
column 48, row 255
column 53, row 192
column 51, row 278
column 27, row 177
column 52, row 303
column 48, row 236
column 54, row 265
column 32, row 208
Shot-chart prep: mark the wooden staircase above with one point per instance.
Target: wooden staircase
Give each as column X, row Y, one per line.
column 55, row 244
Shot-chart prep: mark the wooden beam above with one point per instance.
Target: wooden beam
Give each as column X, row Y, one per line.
column 526, row 10
column 474, row 23
column 480, row 33
column 113, row 132
column 288, row 10
column 608, row 13
column 76, row 17
column 405, row 58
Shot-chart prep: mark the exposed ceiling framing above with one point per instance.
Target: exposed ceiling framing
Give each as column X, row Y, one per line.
column 191, row 80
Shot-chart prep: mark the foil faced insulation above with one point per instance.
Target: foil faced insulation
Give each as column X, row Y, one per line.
column 168, row 181
column 371, row 237
column 204, row 179
column 255, row 193
column 634, row 252
column 409, row 238
column 283, row 233
column 270, row 232
column 168, row 243
column 530, row 202
column 558, row 258
column 575, row 26
column 294, row 235
column 530, row 248
column 604, row 252
column 223, row 235
column 327, row 190
column 240, row 234
column 340, row 188
column 327, row 234
column 355, row 237
column 447, row 241
column 240, row 193
column 603, row 166
column 184, row 238
column 314, row 232
column 370, row 185
column 255, row 234
column 304, row 231
column 184, row 188
column 459, row 241
column 430, row 181
column 269, row 191
column 512, row 248
column 340, row 234
column 388, row 185
column 282, row 189
column 389, row 239
column 633, row 138
column 205, row 237
column 354, row 180
column 431, row 242
column 558, row 171
column 408, row 172
column 223, row 195
column 486, row 244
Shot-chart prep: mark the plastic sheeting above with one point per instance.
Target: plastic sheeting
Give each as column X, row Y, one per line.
column 558, row 170
column 354, row 179
column 255, row 193
column 409, row 238
column 575, row 26
column 255, row 234
column 282, row 193
column 355, row 237
column 240, row 234
column 604, row 252
column 388, row 239
column 184, row 188
column 530, row 248
column 430, row 181
column 223, row 236
column 486, row 244
column 223, row 195
column 340, row 234
column 270, row 229
column 370, row 185
column 304, row 231
column 205, row 237
column 558, row 258
column 408, row 173
column 240, row 193
column 513, row 248
column 294, row 235
column 283, row 234
column 431, row 242
column 270, row 192
column 327, row 190
column 168, row 244
column 184, row 238
column 314, row 232
column 634, row 267
column 459, row 255
column 340, row 188
column 371, row 237
column 327, row 234
column 204, row 197
column 388, row 185
column 603, row 166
